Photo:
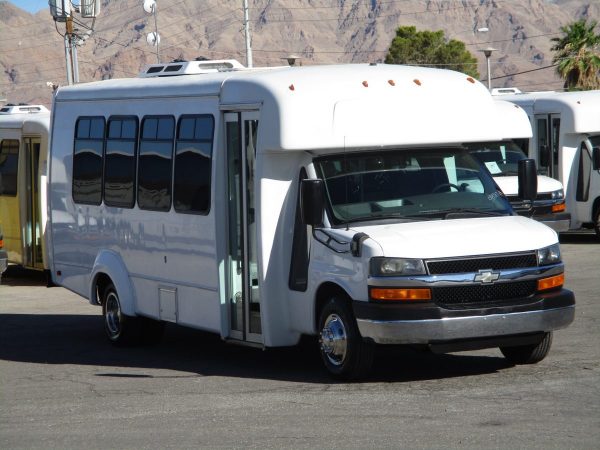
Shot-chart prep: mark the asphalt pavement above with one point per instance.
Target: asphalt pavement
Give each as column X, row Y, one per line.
column 62, row 386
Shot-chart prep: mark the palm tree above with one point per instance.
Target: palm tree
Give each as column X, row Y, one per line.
column 578, row 55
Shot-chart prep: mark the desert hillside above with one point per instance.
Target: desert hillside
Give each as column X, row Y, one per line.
column 320, row 31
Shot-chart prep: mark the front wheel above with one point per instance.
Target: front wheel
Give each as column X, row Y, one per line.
column 343, row 351
column 528, row 354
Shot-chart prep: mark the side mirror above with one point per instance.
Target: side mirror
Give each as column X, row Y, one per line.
column 596, row 158
column 527, row 180
column 312, row 201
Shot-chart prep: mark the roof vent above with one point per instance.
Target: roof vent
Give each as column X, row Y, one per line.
column 22, row 109
column 506, row 91
column 190, row 68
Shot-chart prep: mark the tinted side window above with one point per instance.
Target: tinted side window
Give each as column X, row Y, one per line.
column 193, row 154
column 155, row 163
column 9, row 163
column 87, row 160
column 119, row 164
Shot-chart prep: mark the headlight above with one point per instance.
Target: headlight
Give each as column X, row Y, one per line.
column 557, row 195
column 391, row 267
column 548, row 255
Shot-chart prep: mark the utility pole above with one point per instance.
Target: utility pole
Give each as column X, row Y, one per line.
column 247, row 35
column 62, row 11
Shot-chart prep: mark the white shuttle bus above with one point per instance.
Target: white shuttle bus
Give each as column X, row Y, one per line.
column 24, row 135
column 267, row 204
column 502, row 158
column 566, row 146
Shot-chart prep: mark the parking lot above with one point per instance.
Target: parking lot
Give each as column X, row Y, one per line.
column 63, row 386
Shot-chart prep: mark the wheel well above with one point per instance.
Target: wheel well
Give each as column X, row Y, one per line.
column 324, row 293
column 595, row 208
column 102, row 281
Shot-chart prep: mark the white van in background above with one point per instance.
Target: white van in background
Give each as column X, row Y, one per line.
column 267, row 204
column 502, row 158
column 566, row 146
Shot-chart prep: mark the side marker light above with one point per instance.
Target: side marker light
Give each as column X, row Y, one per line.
column 551, row 283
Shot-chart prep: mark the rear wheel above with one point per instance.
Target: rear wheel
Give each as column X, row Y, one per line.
column 120, row 329
column 343, row 351
column 528, row 354
column 596, row 219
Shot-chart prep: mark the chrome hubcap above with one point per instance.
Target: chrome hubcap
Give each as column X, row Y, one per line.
column 334, row 340
column 113, row 315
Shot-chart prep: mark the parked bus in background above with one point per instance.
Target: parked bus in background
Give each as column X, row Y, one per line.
column 566, row 146
column 267, row 204
column 24, row 133
column 502, row 158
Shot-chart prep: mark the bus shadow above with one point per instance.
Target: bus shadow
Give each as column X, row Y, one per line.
column 79, row 340
column 18, row 276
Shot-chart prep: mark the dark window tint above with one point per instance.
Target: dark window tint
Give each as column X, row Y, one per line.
column 155, row 163
column 193, row 164
column 87, row 160
column 298, row 279
column 119, row 165
column 9, row 163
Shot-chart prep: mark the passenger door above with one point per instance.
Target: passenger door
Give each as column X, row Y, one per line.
column 242, row 277
column 32, row 239
column 547, row 129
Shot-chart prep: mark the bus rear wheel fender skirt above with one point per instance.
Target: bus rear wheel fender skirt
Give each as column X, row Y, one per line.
column 109, row 264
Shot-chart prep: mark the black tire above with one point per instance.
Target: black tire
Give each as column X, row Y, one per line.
column 120, row 329
column 596, row 220
column 528, row 354
column 344, row 352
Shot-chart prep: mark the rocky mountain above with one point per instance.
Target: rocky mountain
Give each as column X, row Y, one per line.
column 320, row 31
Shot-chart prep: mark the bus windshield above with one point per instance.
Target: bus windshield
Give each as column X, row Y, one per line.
column 500, row 158
column 414, row 184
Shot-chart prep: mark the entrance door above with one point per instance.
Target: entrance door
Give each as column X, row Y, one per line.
column 32, row 242
column 243, row 290
column 548, row 133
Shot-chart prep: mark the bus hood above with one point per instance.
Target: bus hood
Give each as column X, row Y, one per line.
column 459, row 237
column 510, row 185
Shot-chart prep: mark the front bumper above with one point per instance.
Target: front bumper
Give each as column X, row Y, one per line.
column 3, row 261
column 559, row 222
column 429, row 324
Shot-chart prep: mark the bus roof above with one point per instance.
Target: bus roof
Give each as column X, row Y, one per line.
column 28, row 122
column 580, row 110
column 330, row 107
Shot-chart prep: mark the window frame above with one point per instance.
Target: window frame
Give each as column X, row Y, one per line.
column 141, row 140
column 210, row 159
column 136, row 142
column 75, row 140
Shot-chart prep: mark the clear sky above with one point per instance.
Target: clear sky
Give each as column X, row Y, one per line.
column 32, row 6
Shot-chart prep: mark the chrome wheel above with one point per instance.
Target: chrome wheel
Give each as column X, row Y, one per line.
column 334, row 340
column 112, row 315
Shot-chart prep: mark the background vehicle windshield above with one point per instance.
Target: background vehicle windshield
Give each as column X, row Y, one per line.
column 416, row 184
column 500, row 158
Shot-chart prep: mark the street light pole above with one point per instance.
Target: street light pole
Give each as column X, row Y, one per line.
column 488, row 52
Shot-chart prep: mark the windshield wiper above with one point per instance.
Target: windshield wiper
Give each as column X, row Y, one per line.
column 468, row 212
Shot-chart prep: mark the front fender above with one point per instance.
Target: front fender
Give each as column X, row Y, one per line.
column 110, row 264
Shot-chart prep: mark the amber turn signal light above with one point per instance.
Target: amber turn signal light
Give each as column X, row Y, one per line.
column 559, row 208
column 551, row 283
column 400, row 294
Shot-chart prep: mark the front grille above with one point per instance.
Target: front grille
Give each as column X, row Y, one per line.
column 475, row 264
column 482, row 295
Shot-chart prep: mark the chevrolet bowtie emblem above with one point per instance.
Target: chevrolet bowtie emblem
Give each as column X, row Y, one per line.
column 486, row 276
